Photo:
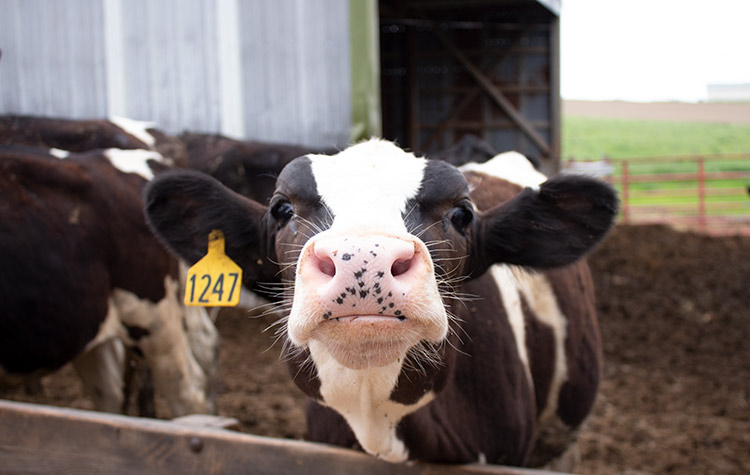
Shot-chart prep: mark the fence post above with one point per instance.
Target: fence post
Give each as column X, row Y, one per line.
column 625, row 192
column 702, row 194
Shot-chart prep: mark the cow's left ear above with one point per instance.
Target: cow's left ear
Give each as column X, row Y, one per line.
column 183, row 207
column 550, row 227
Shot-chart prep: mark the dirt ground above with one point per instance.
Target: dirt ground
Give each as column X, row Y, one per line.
column 733, row 113
column 674, row 311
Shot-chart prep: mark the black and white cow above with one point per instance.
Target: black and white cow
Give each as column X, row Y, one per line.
column 413, row 323
column 82, row 273
column 73, row 135
column 247, row 167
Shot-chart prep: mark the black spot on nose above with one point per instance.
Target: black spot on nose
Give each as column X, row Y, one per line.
column 346, row 256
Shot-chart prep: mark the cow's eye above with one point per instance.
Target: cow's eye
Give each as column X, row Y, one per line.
column 461, row 217
column 282, row 211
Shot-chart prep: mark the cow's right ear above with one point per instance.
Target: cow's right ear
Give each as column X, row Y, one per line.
column 550, row 227
column 183, row 207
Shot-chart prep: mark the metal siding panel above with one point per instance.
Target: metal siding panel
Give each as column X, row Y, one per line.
column 253, row 75
column 196, row 68
column 136, row 81
column 55, row 67
column 86, row 63
column 171, row 64
column 295, row 62
column 337, row 48
column 32, row 55
column 229, row 64
column 161, row 24
column 10, row 71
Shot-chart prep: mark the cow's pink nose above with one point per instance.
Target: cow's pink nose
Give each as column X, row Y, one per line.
column 392, row 256
column 363, row 275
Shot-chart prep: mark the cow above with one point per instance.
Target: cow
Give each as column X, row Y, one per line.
column 248, row 167
column 83, row 276
column 433, row 315
column 85, row 135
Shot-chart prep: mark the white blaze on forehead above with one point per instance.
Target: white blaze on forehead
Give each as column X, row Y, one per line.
column 136, row 128
column 133, row 161
column 510, row 166
column 368, row 183
column 59, row 153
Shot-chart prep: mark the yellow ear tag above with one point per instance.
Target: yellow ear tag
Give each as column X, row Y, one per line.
column 215, row 280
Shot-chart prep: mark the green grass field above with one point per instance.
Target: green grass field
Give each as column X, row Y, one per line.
column 595, row 138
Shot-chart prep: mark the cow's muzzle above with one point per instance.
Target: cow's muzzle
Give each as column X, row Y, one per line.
column 368, row 299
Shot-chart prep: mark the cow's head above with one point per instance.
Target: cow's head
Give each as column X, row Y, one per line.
column 368, row 247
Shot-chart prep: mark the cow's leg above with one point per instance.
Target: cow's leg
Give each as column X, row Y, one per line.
column 138, row 381
column 159, row 331
column 101, row 371
column 203, row 339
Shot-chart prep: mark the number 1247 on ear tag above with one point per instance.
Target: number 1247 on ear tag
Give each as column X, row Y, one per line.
column 215, row 280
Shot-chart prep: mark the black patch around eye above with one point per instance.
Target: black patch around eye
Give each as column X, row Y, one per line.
column 461, row 217
column 282, row 212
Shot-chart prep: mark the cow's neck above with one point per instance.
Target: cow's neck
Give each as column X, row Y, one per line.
column 362, row 397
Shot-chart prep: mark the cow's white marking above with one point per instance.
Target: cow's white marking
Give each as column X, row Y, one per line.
column 368, row 184
column 101, row 371
column 133, row 161
column 59, row 153
column 540, row 297
column 507, row 285
column 108, row 329
column 510, row 166
column 362, row 397
column 136, row 128
column 177, row 374
column 366, row 187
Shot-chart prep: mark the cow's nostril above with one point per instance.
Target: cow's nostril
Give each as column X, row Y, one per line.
column 326, row 266
column 400, row 267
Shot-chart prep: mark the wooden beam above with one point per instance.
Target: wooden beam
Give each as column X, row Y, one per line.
column 36, row 439
column 413, row 105
column 449, row 121
column 493, row 91
column 552, row 167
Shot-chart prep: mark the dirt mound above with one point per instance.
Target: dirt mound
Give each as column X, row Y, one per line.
column 674, row 310
column 675, row 316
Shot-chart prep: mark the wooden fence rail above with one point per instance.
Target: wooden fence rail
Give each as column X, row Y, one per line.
column 709, row 193
column 37, row 439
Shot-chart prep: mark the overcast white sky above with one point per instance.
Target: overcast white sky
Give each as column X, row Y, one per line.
column 652, row 50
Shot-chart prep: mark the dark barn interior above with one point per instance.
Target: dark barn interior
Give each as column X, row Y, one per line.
column 484, row 68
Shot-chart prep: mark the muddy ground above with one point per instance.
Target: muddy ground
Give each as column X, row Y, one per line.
column 675, row 317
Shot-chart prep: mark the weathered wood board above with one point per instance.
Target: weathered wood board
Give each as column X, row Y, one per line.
column 44, row 439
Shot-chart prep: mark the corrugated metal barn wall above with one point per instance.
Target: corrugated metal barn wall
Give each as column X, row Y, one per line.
column 274, row 71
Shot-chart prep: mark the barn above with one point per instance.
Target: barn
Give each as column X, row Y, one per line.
column 320, row 73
